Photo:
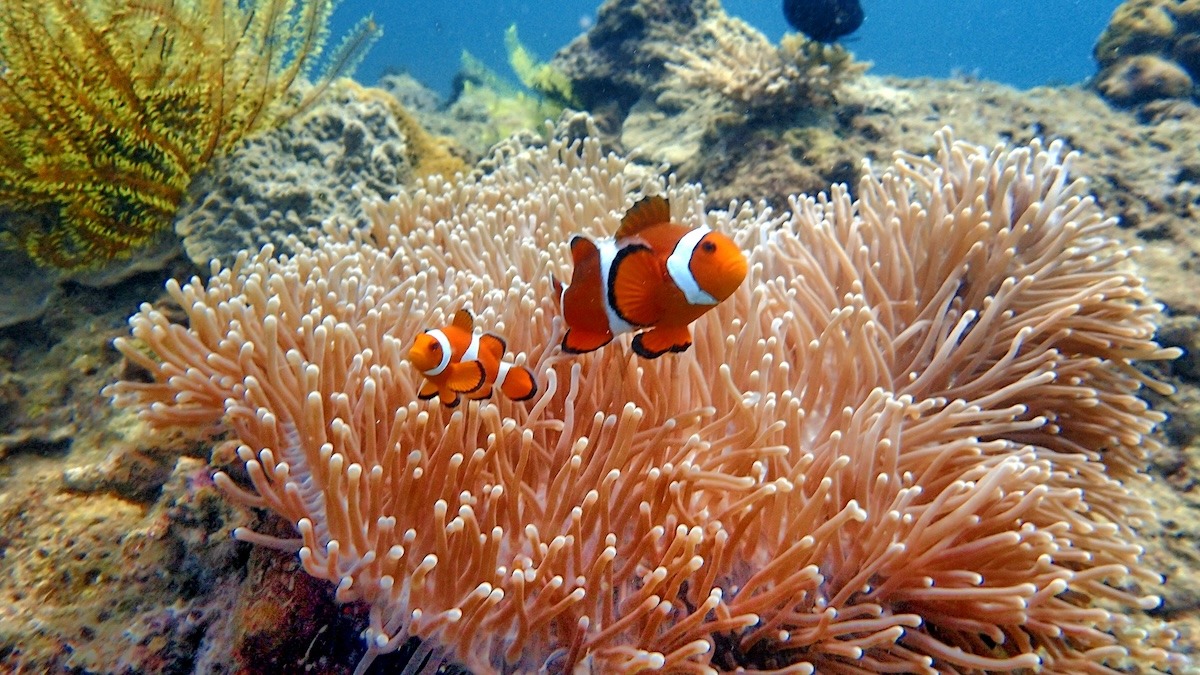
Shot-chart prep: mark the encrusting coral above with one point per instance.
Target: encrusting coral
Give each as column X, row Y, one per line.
column 898, row 447
column 1149, row 50
column 355, row 143
column 108, row 108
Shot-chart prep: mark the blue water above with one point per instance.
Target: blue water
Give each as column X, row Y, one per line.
column 1020, row 42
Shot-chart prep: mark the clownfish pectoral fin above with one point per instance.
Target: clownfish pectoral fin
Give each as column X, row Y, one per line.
column 466, row 377
column 428, row 391
column 463, row 319
column 583, row 249
column 492, row 345
column 658, row 341
column 448, row 398
column 648, row 212
column 635, row 279
column 580, row 341
column 519, row 384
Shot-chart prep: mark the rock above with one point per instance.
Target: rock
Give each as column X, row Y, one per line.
column 1144, row 78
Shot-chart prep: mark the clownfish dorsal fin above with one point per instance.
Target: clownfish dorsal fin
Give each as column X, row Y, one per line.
column 492, row 344
column 648, row 212
column 463, row 319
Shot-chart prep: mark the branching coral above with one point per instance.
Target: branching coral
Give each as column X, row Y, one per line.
column 740, row 64
column 108, row 108
column 898, row 448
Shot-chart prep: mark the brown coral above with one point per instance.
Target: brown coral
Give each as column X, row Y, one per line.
column 1144, row 78
column 1136, row 27
column 1149, row 51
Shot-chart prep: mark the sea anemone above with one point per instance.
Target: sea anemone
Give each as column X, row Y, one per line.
column 898, row 447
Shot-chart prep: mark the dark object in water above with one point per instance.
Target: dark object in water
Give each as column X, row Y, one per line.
column 823, row 20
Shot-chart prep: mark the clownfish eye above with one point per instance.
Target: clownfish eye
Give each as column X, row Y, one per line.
column 435, row 347
column 708, row 247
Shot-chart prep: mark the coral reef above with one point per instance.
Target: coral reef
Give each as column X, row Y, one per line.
column 615, row 62
column 109, row 108
column 498, row 107
column 1150, row 50
column 759, row 78
column 899, row 446
column 1142, row 78
column 358, row 143
column 711, row 94
column 97, row 569
column 24, row 293
column 204, row 610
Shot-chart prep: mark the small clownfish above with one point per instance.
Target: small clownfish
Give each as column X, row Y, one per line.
column 457, row 360
column 654, row 274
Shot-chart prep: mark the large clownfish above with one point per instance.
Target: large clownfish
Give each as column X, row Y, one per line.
column 654, row 275
column 457, row 360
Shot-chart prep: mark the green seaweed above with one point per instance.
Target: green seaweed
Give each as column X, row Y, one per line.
column 538, row 76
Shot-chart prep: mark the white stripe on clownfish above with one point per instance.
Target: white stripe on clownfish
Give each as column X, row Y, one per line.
column 608, row 252
column 447, row 351
column 505, row 366
column 472, row 353
column 679, row 268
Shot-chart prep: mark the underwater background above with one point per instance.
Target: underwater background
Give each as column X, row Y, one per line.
column 212, row 273
column 1024, row 43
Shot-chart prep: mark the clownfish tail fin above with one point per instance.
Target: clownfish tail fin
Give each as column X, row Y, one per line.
column 518, row 383
column 583, row 249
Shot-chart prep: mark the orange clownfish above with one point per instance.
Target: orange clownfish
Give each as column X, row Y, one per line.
column 654, row 275
column 457, row 360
